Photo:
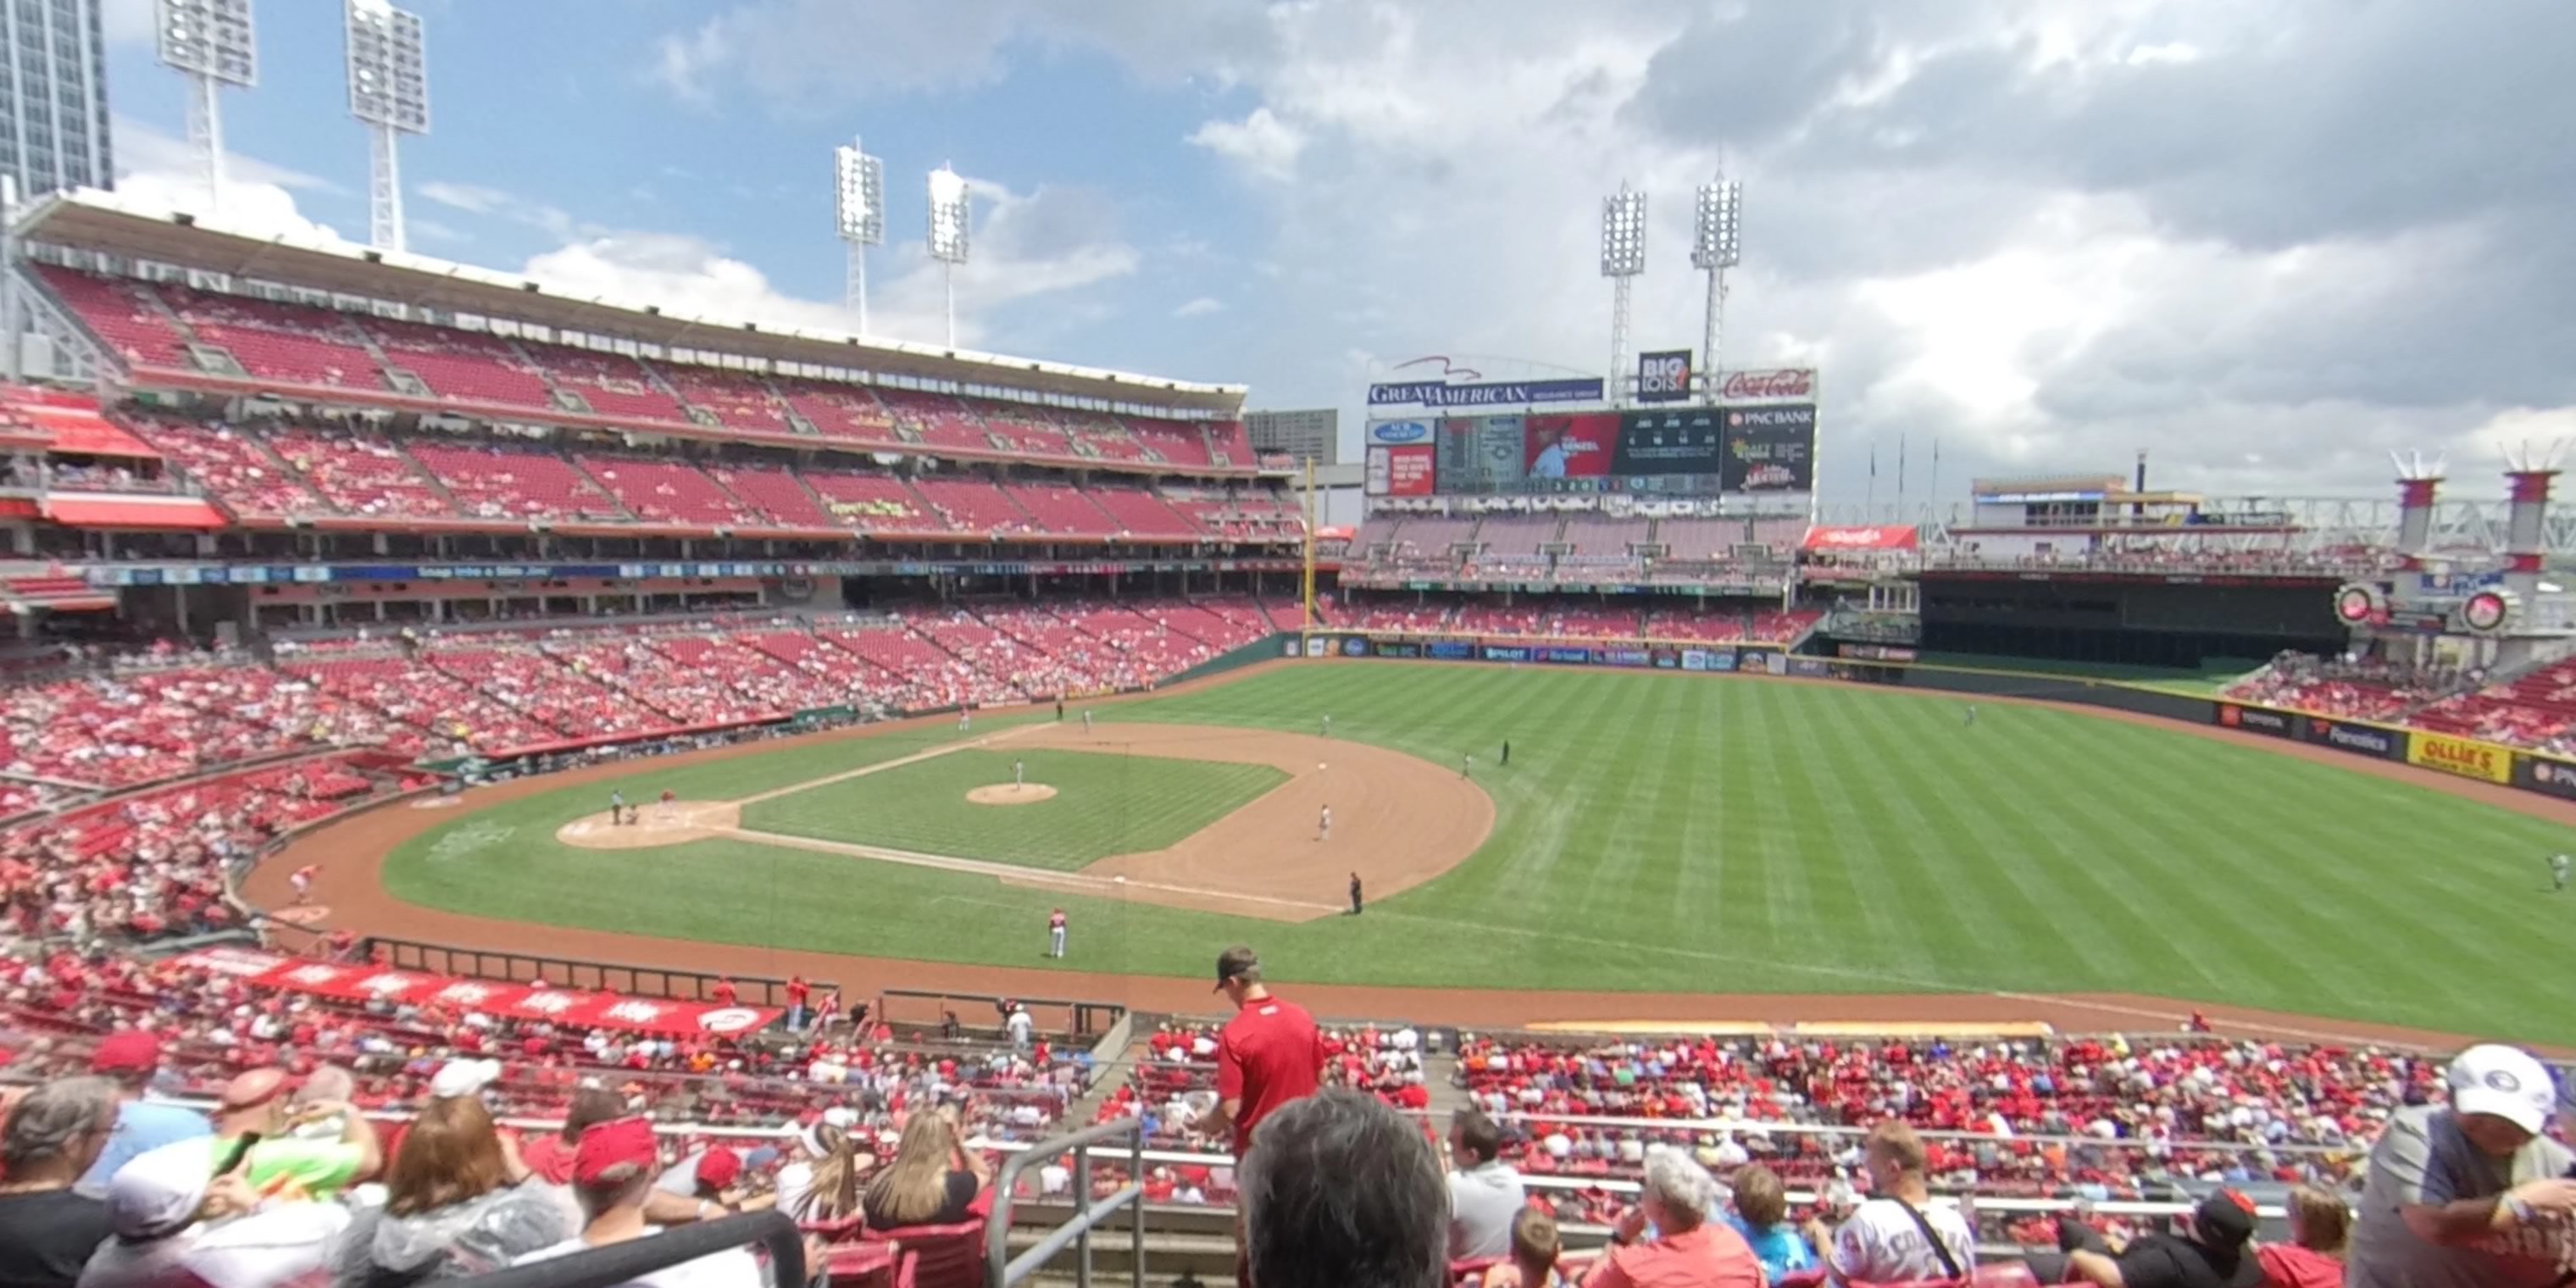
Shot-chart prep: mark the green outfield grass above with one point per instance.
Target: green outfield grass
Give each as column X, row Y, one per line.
column 1671, row 832
column 1101, row 807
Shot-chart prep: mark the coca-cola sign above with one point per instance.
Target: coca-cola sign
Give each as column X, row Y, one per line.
column 1781, row 384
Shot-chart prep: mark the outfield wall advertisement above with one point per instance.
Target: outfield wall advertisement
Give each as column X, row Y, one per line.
column 2467, row 758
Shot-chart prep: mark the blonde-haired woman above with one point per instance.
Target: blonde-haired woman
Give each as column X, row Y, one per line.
column 2320, row 1225
column 933, row 1179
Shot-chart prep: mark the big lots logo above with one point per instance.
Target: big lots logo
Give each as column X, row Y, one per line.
column 1786, row 382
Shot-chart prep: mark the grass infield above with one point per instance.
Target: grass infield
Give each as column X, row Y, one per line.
column 1653, row 832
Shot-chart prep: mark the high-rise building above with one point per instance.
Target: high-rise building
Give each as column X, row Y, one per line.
column 53, row 97
column 1312, row 435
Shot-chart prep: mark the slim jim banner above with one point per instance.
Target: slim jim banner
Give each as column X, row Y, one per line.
column 2484, row 761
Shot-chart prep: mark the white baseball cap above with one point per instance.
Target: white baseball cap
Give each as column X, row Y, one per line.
column 2505, row 1081
column 464, row 1078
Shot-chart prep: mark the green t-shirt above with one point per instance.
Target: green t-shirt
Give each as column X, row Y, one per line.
column 319, row 1168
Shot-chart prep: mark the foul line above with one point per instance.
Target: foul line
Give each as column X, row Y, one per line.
column 880, row 766
column 1011, row 871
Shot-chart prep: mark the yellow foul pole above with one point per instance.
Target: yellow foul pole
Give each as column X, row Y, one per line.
column 1310, row 543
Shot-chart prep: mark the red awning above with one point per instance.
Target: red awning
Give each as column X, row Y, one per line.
column 1892, row 537
column 79, row 435
column 185, row 513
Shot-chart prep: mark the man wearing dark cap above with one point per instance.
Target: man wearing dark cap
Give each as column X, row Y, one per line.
column 129, row 1058
column 1267, row 1057
column 2216, row 1253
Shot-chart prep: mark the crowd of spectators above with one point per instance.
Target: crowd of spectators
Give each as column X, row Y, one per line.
column 2359, row 688
column 1714, row 622
column 2095, row 1118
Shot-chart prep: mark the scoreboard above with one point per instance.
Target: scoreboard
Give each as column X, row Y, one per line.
column 1696, row 451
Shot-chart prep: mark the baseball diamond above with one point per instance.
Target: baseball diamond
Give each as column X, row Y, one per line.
column 1661, row 834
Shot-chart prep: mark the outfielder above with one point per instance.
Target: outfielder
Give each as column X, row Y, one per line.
column 1324, row 825
column 2558, row 864
column 1972, row 715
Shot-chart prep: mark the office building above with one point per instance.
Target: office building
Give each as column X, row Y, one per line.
column 53, row 97
column 1314, row 435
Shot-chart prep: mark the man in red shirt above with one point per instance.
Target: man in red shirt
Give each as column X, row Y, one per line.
column 1266, row 1056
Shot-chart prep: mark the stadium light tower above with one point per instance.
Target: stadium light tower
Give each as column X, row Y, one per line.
column 948, row 223
column 1623, row 257
column 859, row 208
column 1716, row 246
column 212, row 43
column 389, row 94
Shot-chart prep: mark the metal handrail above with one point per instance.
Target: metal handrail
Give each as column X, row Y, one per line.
column 1002, row 1270
column 619, row 1263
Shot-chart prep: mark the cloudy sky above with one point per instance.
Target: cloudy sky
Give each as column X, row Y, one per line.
column 2269, row 243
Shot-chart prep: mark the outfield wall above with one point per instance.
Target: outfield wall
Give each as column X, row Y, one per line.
column 2468, row 758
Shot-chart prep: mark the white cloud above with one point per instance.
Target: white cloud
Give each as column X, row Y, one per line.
column 1200, row 307
column 471, row 198
column 160, row 171
column 1262, row 144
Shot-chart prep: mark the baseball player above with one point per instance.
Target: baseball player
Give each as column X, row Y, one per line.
column 1328, row 726
column 2558, row 864
column 1086, row 722
column 1055, row 933
column 1355, row 894
column 302, row 879
column 1019, row 774
column 1507, row 752
column 668, row 796
column 1324, row 825
column 965, row 719
column 1972, row 715
column 1467, row 766
column 616, row 806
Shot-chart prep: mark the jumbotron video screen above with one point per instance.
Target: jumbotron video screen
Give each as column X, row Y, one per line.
column 1684, row 451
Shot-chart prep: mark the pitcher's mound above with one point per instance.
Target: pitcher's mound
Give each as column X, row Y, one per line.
column 677, row 823
column 1010, row 794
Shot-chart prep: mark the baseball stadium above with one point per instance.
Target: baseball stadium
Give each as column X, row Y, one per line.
column 441, row 687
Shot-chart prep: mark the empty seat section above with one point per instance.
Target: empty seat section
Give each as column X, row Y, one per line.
column 669, row 492
column 941, row 421
column 738, row 398
column 612, row 383
column 499, row 483
column 1141, row 513
column 1057, row 508
column 291, row 342
column 780, row 500
column 123, row 314
column 361, row 475
column 972, row 505
column 841, row 411
column 467, row 366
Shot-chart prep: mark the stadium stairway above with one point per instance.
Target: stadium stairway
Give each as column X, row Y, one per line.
column 1440, row 1074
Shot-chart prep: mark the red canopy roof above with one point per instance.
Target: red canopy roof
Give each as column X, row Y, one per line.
column 1889, row 537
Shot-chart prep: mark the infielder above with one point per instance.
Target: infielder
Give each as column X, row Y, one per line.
column 1086, row 723
column 1055, row 933
column 302, row 879
column 2558, row 864
column 1355, row 894
column 616, row 807
column 1467, row 766
column 1324, row 825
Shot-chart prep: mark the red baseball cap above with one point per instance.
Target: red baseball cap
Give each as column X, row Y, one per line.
column 126, row 1051
column 619, row 1141
column 719, row 1167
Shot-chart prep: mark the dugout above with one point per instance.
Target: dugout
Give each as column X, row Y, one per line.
column 2182, row 623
